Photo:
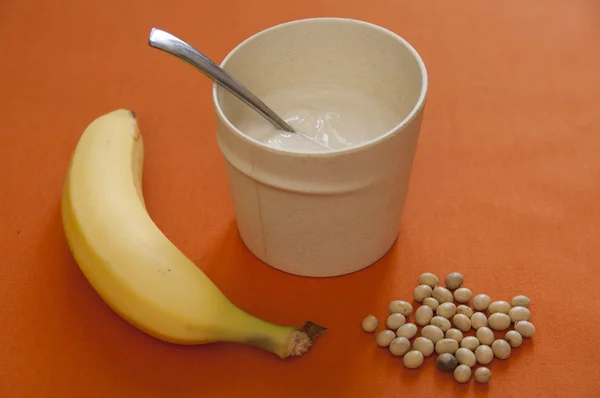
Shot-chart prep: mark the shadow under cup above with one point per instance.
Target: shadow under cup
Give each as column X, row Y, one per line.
column 326, row 213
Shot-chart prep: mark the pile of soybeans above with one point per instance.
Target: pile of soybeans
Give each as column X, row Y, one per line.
column 445, row 317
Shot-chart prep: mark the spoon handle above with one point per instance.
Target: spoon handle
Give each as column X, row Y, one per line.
column 175, row 46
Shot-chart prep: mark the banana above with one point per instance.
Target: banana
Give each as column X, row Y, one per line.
column 133, row 266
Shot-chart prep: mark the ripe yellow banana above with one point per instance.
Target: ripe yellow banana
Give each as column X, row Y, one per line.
column 132, row 265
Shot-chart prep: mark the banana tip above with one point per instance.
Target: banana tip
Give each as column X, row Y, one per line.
column 312, row 329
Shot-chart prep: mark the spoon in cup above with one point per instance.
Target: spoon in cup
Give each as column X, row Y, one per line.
column 173, row 45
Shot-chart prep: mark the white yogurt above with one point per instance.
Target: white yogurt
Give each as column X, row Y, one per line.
column 336, row 117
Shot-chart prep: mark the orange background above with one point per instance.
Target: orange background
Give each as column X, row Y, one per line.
column 505, row 189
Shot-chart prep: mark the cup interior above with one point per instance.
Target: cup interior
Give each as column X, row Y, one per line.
column 326, row 52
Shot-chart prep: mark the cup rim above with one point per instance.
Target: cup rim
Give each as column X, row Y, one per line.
column 367, row 144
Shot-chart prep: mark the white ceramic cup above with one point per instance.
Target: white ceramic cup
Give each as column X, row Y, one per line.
column 326, row 213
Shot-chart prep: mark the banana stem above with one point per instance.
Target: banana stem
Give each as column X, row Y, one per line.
column 283, row 341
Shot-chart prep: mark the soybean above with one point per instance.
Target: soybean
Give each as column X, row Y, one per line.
column 481, row 302
column 431, row 302
column 463, row 295
column 423, row 315
column 385, row 337
column 370, row 323
column 470, row 342
column 441, row 323
column 446, row 345
column 394, row 321
column 462, row 373
column 454, row 334
column 514, row 338
column 442, row 295
column 454, row 280
column 525, row 328
column 447, row 310
column 429, row 279
column 433, row 333
column 400, row 307
column 421, row 292
column 499, row 306
column 462, row 322
column 446, row 362
column 408, row 330
column 485, row 335
column 519, row 313
column 484, row 354
column 483, row 375
column 465, row 310
column 499, row 321
column 465, row 357
column 520, row 301
column 413, row 359
column 399, row 346
column 478, row 320
column 501, row 349
column 424, row 345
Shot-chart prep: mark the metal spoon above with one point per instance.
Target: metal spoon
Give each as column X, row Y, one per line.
column 175, row 46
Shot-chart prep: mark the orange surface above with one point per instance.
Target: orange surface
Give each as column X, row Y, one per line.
column 505, row 189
